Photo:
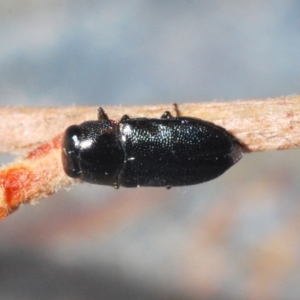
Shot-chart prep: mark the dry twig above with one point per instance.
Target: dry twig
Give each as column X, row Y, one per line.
column 260, row 125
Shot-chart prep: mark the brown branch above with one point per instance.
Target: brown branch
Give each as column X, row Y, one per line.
column 259, row 125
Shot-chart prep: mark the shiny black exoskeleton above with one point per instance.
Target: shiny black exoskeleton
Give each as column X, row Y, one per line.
column 171, row 151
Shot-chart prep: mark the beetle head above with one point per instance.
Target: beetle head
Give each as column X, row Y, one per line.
column 92, row 152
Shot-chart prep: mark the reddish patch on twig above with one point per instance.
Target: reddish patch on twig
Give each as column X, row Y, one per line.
column 45, row 148
column 15, row 183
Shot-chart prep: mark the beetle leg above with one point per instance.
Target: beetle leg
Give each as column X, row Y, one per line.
column 125, row 118
column 166, row 115
column 176, row 110
column 102, row 114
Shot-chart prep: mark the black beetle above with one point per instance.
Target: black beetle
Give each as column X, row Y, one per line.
column 170, row 151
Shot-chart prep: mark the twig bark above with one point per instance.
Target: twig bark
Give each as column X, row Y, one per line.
column 266, row 124
column 260, row 125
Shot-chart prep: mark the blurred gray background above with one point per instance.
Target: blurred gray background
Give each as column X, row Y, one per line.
column 237, row 237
